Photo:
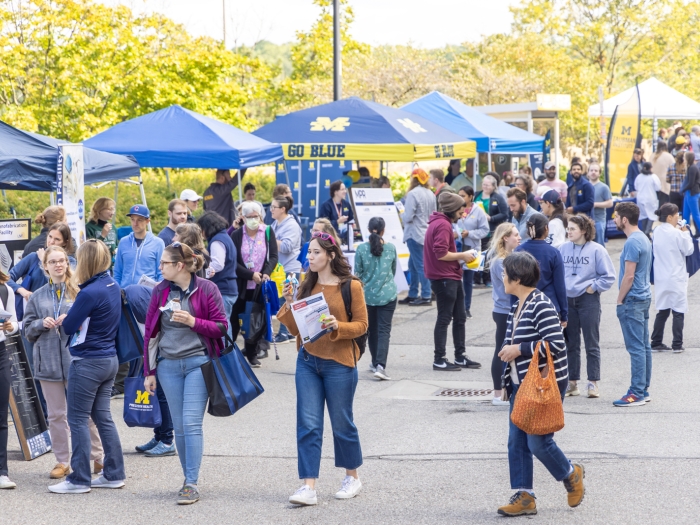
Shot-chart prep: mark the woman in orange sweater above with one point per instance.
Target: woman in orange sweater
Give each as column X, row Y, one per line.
column 327, row 369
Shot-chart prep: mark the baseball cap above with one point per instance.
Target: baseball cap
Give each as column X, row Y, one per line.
column 549, row 164
column 189, row 195
column 552, row 197
column 140, row 210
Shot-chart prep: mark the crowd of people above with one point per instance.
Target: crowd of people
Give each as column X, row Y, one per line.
column 539, row 246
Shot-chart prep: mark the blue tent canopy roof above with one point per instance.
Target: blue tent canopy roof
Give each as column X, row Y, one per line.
column 176, row 137
column 28, row 162
column 357, row 129
column 491, row 135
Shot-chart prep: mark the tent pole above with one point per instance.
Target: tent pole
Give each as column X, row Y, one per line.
column 556, row 141
column 299, row 186
column 167, row 179
column 475, row 171
column 490, row 168
column 588, row 135
column 318, row 186
column 654, row 132
column 240, row 190
column 143, row 198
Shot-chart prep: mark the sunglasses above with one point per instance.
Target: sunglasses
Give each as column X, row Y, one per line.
column 324, row 237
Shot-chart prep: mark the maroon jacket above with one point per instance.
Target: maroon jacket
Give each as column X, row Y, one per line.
column 207, row 307
column 439, row 239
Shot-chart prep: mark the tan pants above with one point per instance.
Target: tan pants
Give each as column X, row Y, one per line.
column 57, row 407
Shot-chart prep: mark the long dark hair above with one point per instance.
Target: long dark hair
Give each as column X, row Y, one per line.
column 339, row 267
column 211, row 223
column 376, row 229
column 559, row 212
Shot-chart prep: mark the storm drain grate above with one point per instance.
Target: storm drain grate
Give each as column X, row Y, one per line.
column 463, row 392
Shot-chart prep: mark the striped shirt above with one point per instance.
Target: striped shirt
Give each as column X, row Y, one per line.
column 675, row 178
column 539, row 322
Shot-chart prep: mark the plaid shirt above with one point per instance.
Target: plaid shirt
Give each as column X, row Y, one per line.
column 675, row 178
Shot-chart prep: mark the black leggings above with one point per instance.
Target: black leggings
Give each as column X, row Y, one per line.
column 5, row 378
column 496, row 363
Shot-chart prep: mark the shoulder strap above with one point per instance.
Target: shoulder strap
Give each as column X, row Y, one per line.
column 130, row 320
column 4, row 295
column 346, row 292
column 267, row 233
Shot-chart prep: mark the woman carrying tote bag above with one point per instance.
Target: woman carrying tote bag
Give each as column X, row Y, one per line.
column 182, row 332
column 533, row 323
column 326, row 372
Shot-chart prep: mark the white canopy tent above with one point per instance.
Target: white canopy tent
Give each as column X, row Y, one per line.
column 658, row 101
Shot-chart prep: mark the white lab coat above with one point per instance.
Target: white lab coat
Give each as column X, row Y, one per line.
column 671, row 247
column 646, row 187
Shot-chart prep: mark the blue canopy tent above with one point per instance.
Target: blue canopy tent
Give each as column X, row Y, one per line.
column 491, row 135
column 28, row 162
column 355, row 129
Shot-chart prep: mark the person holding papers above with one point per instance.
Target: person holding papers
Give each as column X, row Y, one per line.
column 326, row 370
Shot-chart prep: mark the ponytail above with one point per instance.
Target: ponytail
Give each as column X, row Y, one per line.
column 376, row 229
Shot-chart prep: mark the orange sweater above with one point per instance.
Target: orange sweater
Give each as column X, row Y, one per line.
column 337, row 345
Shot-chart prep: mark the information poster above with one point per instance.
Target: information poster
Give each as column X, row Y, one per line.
column 14, row 235
column 70, row 188
column 379, row 202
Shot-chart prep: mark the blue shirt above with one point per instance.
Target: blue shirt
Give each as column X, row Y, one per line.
column 167, row 234
column 637, row 249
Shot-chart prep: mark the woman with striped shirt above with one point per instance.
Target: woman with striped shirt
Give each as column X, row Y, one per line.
column 532, row 320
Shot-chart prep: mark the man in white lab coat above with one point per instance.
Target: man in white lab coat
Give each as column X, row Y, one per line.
column 671, row 246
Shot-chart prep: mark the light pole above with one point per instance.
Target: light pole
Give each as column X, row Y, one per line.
column 337, row 89
column 223, row 6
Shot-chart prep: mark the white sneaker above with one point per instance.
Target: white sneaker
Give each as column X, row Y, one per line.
column 304, row 496
column 349, row 489
column 593, row 390
column 101, row 482
column 66, row 487
column 372, row 368
column 5, row 483
column 498, row 402
column 381, row 373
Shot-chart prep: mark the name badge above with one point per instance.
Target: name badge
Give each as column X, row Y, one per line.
column 249, row 265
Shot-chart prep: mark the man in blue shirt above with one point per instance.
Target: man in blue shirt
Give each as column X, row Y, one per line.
column 177, row 214
column 580, row 195
column 633, row 301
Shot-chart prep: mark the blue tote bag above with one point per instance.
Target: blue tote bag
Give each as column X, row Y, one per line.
column 230, row 381
column 141, row 407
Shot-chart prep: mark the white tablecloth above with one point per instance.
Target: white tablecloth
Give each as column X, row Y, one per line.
column 399, row 278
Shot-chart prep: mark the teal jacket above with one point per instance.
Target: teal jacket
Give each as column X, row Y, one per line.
column 377, row 273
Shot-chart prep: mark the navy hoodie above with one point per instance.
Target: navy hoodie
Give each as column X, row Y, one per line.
column 585, row 196
column 552, row 282
column 100, row 300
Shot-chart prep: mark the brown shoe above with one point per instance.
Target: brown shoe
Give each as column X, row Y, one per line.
column 520, row 504
column 574, row 485
column 59, row 471
column 98, row 467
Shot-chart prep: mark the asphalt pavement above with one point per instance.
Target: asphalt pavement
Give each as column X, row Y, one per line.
column 425, row 461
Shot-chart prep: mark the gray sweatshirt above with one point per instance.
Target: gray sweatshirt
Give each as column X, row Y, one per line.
column 420, row 203
column 586, row 265
column 501, row 300
column 478, row 227
column 51, row 357
column 288, row 233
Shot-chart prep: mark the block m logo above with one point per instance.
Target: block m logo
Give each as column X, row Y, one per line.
column 626, row 130
column 143, row 398
column 326, row 124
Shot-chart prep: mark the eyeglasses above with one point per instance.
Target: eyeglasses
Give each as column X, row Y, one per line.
column 163, row 263
column 323, row 236
column 54, row 263
column 275, row 207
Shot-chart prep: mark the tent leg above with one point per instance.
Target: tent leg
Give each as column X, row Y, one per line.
column 490, row 168
column 52, row 198
column 299, row 186
column 143, row 198
column 240, row 189
column 318, row 186
column 588, row 136
column 654, row 133
column 556, row 141
column 167, row 179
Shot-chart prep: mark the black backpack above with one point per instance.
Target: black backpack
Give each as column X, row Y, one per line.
column 346, row 292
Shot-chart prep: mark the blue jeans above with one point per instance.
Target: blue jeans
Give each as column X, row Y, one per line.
column 634, row 321
column 88, row 395
column 691, row 209
column 521, row 448
column 323, row 381
column 415, row 266
column 183, row 384
column 229, row 301
column 468, row 284
column 600, row 232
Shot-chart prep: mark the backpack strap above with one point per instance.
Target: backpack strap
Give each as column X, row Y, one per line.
column 346, row 293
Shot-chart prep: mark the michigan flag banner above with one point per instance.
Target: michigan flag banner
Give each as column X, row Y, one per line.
column 623, row 137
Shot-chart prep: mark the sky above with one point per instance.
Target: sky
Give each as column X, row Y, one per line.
column 422, row 23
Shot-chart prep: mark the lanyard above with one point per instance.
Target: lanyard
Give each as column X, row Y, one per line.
column 575, row 264
column 251, row 246
column 339, row 209
column 61, row 293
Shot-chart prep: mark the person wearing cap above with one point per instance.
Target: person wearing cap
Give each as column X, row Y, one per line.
column 552, row 282
column 192, row 201
column 139, row 252
column 551, row 182
column 602, row 201
column 177, row 214
column 443, row 268
column 580, row 194
column 681, row 143
column 8, row 326
column 419, row 205
column 553, row 209
column 647, row 184
column 521, row 210
column 338, row 210
column 217, row 197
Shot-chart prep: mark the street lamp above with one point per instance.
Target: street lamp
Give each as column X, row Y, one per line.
column 337, row 89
